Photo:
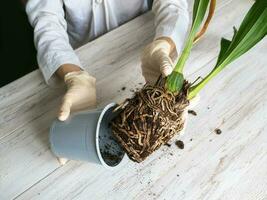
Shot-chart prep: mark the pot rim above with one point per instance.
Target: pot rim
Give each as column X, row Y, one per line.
column 124, row 158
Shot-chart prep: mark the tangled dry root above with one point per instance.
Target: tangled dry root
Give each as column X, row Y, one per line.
column 149, row 119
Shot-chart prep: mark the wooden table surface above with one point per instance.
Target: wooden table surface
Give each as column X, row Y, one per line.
column 232, row 165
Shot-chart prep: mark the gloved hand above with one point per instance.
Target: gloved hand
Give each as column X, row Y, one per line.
column 156, row 60
column 81, row 93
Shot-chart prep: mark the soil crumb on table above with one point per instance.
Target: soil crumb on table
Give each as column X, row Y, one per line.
column 218, row 131
column 179, row 144
column 123, row 88
column 192, row 112
column 168, row 144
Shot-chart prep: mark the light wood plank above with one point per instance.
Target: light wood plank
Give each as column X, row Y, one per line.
column 232, row 162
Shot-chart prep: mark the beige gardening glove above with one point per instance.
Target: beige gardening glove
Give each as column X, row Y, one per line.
column 156, row 60
column 81, row 93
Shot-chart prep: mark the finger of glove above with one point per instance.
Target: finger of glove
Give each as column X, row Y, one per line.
column 62, row 161
column 166, row 65
column 65, row 108
column 185, row 118
column 150, row 73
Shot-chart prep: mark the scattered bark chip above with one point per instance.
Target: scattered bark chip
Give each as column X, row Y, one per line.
column 192, row 112
column 218, row 131
column 168, row 144
column 179, row 144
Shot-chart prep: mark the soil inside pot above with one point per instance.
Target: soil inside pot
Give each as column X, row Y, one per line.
column 110, row 150
column 149, row 119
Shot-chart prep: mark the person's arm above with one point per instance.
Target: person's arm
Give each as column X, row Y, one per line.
column 56, row 58
column 171, row 23
column 51, row 38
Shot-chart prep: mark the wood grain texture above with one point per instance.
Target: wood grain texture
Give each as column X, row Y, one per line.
column 227, row 166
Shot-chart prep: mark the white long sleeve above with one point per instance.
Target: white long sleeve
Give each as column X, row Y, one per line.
column 61, row 25
column 50, row 36
column 171, row 20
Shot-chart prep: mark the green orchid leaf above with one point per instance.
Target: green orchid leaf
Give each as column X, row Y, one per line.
column 235, row 31
column 225, row 44
column 199, row 11
column 251, row 31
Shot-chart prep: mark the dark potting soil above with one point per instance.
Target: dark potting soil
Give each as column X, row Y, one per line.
column 218, row 131
column 192, row 112
column 110, row 152
column 108, row 156
column 179, row 144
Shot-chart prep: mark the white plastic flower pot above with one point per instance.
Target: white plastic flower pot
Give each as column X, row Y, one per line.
column 87, row 136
